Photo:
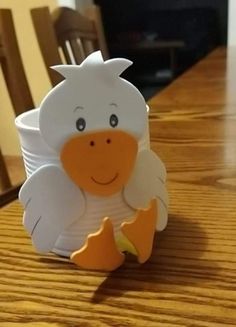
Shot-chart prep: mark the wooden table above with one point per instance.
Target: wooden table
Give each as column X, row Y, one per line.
column 190, row 278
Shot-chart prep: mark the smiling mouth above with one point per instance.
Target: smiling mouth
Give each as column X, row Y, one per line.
column 105, row 183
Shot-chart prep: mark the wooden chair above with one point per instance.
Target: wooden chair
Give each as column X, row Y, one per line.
column 15, row 78
column 66, row 36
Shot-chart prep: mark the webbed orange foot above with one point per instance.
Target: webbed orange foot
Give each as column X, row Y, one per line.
column 141, row 230
column 100, row 251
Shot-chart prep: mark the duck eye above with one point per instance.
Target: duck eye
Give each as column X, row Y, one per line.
column 80, row 124
column 113, row 120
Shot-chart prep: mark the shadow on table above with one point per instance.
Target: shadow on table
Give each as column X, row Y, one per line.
column 176, row 261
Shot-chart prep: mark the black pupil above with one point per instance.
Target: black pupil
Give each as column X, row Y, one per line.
column 80, row 124
column 113, row 120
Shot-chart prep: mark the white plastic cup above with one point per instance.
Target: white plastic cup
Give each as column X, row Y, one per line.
column 35, row 151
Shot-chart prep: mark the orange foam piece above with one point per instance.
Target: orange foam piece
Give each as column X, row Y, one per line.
column 100, row 162
column 100, row 251
column 141, row 230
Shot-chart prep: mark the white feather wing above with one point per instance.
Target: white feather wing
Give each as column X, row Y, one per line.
column 52, row 202
column 148, row 182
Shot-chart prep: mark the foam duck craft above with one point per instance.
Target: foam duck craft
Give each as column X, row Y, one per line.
column 107, row 195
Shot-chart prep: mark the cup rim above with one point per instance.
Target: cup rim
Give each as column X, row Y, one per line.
column 19, row 121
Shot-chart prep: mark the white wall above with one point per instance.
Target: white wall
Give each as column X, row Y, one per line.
column 79, row 4
column 232, row 23
column 67, row 3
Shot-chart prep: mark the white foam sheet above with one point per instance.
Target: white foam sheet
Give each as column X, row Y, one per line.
column 52, row 202
column 148, row 182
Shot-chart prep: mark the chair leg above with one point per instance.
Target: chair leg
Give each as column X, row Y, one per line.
column 9, row 195
column 5, row 182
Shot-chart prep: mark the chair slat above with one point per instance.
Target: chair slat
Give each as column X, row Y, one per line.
column 5, row 182
column 76, row 50
column 80, row 46
column 12, row 65
column 68, row 53
column 18, row 89
column 89, row 47
column 42, row 22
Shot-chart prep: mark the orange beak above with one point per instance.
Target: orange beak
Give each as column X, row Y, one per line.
column 101, row 162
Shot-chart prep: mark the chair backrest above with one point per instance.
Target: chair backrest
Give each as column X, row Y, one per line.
column 17, row 85
column 66, row 36
column 12, row 66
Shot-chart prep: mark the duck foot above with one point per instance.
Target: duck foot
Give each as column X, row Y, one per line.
column 141, row 230
column 100, row 251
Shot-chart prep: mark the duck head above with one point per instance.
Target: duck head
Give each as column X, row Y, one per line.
column 94, row 120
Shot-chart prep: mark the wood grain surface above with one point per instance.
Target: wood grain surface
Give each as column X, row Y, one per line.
column 190, row 278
